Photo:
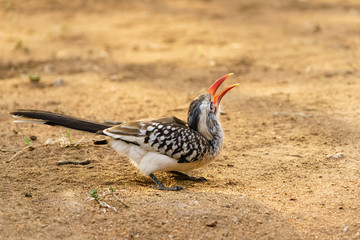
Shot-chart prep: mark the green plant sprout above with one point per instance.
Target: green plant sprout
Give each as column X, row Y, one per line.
column 94, row 194
column 68, row 136
column 27, row 140
column 34, row 78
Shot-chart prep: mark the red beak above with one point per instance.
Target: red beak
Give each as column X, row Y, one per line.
column 217, row 84
column 218, row 97
column 212, row 90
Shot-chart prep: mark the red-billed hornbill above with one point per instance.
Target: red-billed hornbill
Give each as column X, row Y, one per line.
column 166, row 144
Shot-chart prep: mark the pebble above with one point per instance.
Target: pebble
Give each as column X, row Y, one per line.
column 335, row 156
column 58, row 82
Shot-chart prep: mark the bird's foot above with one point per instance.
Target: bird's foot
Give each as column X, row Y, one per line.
column 190, row 178
column 184, row 176
column 160, row 186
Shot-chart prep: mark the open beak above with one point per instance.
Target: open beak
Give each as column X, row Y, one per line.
column 218, row 97
column 217, row 84
column 212, row 90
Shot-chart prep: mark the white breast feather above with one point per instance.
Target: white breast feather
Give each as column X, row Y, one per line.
column 149, row 162
column 202, row 127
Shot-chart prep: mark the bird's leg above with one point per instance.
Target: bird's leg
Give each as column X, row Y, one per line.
column 161, row 186
column 184, row 176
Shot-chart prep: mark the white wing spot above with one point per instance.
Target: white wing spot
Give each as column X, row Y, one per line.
column 192, row 155
column 150, row 128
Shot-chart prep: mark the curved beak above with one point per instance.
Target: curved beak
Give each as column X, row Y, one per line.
column 212, row 90
column 218, row 97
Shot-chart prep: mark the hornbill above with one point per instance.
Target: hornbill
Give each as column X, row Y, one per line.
column 155, row 145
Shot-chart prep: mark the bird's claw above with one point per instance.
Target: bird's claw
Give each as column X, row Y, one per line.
column 189, row 178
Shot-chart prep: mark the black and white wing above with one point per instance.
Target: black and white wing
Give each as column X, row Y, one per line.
column 168, row 136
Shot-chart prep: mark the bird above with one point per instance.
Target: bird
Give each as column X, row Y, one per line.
column 156, row 145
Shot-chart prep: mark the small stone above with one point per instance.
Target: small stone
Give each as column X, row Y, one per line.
column 49, row 68
column 212, row 224
column 29, row 195
column 336, row 156
column 58, row 82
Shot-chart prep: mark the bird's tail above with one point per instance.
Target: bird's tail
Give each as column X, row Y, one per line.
column 56, row 119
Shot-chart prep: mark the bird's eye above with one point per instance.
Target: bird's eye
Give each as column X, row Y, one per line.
column 211, row 106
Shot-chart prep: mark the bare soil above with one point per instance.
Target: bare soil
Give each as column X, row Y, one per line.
column 290, row 166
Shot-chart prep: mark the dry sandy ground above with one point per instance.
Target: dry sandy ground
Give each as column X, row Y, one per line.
column 290, row 165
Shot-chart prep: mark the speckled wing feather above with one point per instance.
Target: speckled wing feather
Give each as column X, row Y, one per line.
column 168, row 136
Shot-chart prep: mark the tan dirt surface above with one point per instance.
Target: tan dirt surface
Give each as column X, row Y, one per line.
column 290, row 166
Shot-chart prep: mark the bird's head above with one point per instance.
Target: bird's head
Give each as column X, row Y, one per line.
column 203, row 115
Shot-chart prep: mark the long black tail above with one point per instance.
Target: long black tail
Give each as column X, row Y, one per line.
column 56, row 119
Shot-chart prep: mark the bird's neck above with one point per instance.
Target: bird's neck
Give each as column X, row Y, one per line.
column 211, row 130
column 216, row 142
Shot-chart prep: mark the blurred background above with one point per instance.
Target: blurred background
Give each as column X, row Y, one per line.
column 131, row 39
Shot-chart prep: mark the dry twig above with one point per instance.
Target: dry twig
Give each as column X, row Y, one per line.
column 19, row 151
column 94, row 196
column 85, row 162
